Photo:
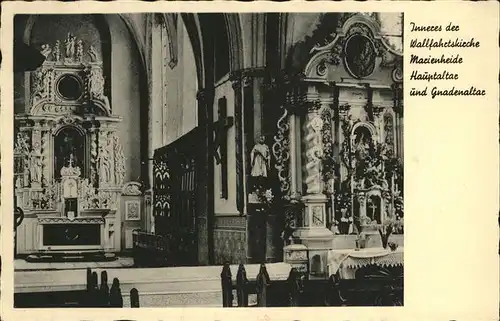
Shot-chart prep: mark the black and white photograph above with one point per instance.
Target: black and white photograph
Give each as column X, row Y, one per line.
column 209, row 159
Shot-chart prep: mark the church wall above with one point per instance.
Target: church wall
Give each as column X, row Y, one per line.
column 180, row 114
column 125, row 93
column 301, row 25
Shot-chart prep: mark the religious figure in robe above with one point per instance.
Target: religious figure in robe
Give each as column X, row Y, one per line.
column 70, row 45
column 260, row 159
column 56, row 53
column 104, row 166
column 362, row 146
column 36, row 167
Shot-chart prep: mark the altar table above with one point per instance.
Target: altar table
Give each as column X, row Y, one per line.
column 347, row 261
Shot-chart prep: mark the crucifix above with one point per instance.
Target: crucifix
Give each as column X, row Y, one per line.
column 70, row 161
column 221, row 126
column 373, row 206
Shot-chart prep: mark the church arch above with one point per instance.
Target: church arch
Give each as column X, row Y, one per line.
column 193, row 29
column 170, row 26
column 233, row 27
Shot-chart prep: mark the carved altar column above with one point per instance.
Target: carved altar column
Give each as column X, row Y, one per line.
column 94, row 166
column 314, row 233
column 36, row 157
column 46, row 133
column 399, row 123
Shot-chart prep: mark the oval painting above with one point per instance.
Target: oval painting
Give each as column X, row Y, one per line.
column 69, row 87
column 359, row 56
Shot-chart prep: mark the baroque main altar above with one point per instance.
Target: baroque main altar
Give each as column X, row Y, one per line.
column 69, row 162
column 339, row 144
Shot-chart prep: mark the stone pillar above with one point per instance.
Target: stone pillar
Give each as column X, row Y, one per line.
column 205, row 219
column 314, row 233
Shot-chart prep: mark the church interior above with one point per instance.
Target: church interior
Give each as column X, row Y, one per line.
column 193, row 139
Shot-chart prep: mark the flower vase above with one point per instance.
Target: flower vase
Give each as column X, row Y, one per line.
column 385, row 239
column 362, row 243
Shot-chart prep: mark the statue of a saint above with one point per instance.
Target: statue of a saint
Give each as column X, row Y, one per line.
column 260, row 159
column 70, row 46
column 56, row 53
column 104, row 170
column 362, row 146
column 36, row 167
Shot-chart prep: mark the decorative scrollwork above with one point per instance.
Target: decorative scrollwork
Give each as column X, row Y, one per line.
column 281, row 151
column 132, row 189
column 328, row 170
column 397, row 73
column 95, row 83
column 41, row 85
column 389, row 129
column 321, row 68
column 119, row 160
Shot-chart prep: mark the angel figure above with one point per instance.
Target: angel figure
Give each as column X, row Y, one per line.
column 46, row 50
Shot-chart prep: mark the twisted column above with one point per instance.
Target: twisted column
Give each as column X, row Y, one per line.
column 314, row 153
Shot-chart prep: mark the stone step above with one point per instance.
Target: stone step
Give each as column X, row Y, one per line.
column 158, row 287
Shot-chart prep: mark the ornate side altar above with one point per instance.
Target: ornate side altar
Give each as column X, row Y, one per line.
column 69, row 163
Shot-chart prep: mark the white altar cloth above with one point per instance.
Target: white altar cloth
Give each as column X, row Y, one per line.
column 347, row 261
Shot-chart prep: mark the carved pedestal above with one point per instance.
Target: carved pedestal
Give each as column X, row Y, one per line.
column 314, row 234
column 296, row 255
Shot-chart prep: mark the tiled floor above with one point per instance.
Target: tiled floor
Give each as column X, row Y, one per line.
column 120, row 262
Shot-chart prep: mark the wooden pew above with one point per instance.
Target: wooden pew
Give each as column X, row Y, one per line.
column 148, row 249
column 270, row 293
